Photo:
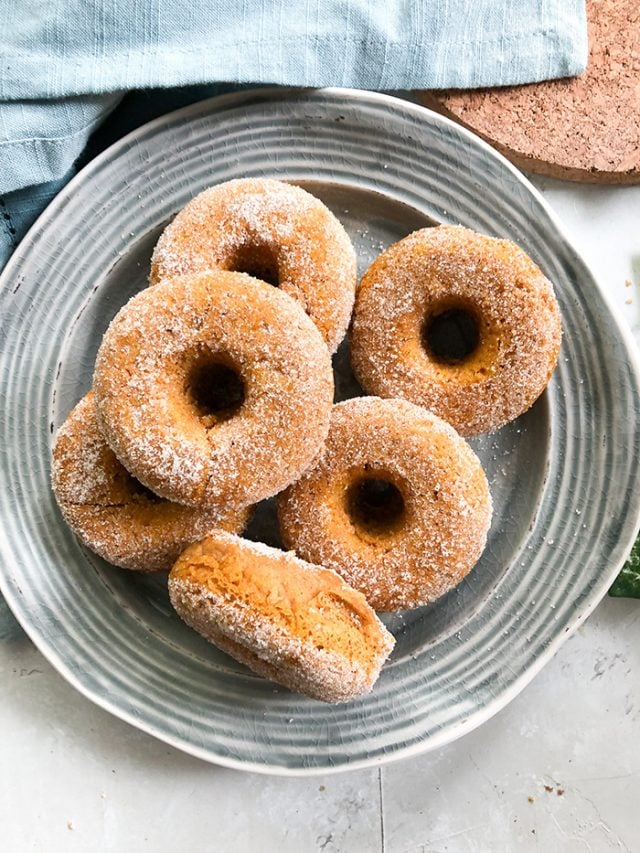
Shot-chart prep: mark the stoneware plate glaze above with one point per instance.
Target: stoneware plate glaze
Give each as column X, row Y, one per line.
column 563, row 477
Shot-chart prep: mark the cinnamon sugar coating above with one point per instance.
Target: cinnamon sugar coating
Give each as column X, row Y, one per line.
column 438, row 503
column 271, row 230
column 150, row 413
column 294, row 623
column 111, row 512
column 451, row 268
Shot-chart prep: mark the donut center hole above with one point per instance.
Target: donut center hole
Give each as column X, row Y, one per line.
column 375, row 504
column 451, row 336
column 258, row 261
column 216, row 389
column 142, row 492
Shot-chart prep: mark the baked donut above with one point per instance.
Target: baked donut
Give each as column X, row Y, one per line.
column 273, row 231
column 111, row 512
column 398, row 504
column 294, row 623
column 213, row 389
column 462, row 324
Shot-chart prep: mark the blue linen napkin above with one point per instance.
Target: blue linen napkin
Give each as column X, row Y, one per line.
column 65, row 66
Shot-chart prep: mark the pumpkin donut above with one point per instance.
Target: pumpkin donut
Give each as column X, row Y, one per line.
column 398, row 504
column 213, row 389
column 462, row 324
column 111, row 512
column 294, row 623
column 273, row 231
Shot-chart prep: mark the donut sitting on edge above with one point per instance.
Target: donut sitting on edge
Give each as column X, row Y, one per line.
column 294, row 623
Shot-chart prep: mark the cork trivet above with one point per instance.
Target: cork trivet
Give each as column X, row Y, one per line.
column 582, row 129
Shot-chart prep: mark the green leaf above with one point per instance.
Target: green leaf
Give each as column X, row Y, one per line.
column 627, row 584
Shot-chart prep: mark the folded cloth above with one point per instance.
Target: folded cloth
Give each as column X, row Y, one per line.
column 19, row 208
column 65, row 65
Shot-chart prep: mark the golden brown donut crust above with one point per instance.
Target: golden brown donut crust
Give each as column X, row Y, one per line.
column 111, row 512
column 442, row 528
column 447, row 268
column 263, row 226
column 150, row 419
column 294, row 623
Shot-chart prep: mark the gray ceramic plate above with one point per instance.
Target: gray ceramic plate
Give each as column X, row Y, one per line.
column 563, row 476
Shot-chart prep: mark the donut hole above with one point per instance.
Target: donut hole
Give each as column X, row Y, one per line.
column 375, row 505
column 215, row 388
column 257, row 260
column 451, row 334
column 126, row 488
column 142, row 493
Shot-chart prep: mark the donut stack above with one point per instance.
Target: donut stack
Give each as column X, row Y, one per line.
column 213, row 390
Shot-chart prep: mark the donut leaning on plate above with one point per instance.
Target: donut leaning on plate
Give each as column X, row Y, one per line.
column 274, row 231
column 462, row 324
column 111, row 512
column 297, row 624
column 398, row 504
column 214, row 389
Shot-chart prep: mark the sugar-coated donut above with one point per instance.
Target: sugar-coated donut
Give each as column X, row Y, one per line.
column 214, row 389
column 462, row 324
column 398, row 504
column 111, row 512
column 294, row 623
column 273, row 231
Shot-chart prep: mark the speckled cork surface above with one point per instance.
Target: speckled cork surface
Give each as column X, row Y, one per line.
column 582, row 129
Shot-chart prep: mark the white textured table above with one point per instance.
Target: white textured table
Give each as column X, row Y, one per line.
column 557, row 770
